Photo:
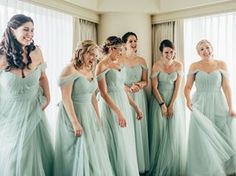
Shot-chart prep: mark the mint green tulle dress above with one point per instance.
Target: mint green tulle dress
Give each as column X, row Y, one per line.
column 134, row 75
column 120, row 141
column 211, row 143
column 86, row 155
column 167, row 136
column 25, row 144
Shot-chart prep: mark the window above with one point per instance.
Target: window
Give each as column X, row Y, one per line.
column 220, row 31
column 54, row 35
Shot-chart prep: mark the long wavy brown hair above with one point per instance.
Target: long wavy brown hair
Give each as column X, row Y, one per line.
column 83, row 48
column 11, row 47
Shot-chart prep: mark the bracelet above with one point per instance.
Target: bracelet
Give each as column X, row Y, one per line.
column 161, row 103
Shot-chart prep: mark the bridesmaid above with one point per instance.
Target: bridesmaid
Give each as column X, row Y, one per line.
column 136, row 80
column 211, row 148
column 80, row 143
column 167, row 127
column 116, row 111
column 26, row 147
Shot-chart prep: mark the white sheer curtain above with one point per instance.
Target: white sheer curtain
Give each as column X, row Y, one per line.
column 53, row 33
column 160, row 32
column 84, row 30
column 220, row 30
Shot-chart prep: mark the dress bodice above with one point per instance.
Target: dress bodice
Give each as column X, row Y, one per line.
column 166, row 81
column 208, row 82
column 115, row 79
column 83, row 88
column 13, row 86
column 134, row 74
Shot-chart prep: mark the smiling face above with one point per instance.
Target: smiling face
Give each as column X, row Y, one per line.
column 116, row 51
column 24, row 33
column 90, row 57
column 168, row 53
column 131, row 44
column 204, row 50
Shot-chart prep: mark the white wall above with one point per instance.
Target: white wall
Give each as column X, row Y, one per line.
column 66, row 7
column 120, row 23
column 140, row 6
column 220, row 7
column 89, row 4
column 173, row 5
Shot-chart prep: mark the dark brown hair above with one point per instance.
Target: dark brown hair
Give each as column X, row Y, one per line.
column 11, row 47
column 111, row 41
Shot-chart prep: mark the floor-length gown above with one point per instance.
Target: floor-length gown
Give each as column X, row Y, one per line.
column 25, row 144
column 86, row 155
column 167, row 136
column 120, row 141
column 134, row 75
column 211, row 146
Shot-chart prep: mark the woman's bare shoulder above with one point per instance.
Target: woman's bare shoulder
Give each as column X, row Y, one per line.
column 142, row 61
column 101, row 66
column 221, row 64
column 3, row 61
column 37, row 56
column 178, row 65
column 68, row 70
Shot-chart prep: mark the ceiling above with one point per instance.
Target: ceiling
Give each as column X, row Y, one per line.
column 141, row 6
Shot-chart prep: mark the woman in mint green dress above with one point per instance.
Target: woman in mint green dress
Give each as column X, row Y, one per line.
column 80, row 143
column 116, row 111
column 24, row 94
column 136, row 80
column 211, row 143
column 167, row 122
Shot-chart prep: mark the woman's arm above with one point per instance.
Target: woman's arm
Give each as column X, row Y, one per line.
column 37, row 57
column 95, row 105
column 103, row 91
column 144, row 79
column 156, row 92
column 135, row 106
column 66, row 91
column 227, row 90
column 188, row 87
column 43, row 81
column 3, row 61
column 175, row 93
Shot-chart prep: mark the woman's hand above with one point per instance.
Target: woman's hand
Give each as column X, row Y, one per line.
column 121, row 119
column 170, row 111
column 77, row 129
column 45, row 104
column 139, row 113
column 232, row 112
column 127, row 89
column 134, row 88
column 140, row 85
column 190, row 105
column 164, row 110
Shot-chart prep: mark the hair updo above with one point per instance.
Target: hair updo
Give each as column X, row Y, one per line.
column 166, row 43
column 111, row 42
column 204, row 41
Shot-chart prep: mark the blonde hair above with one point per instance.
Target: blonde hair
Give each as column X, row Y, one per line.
column 202, row 42
column 83, row 48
